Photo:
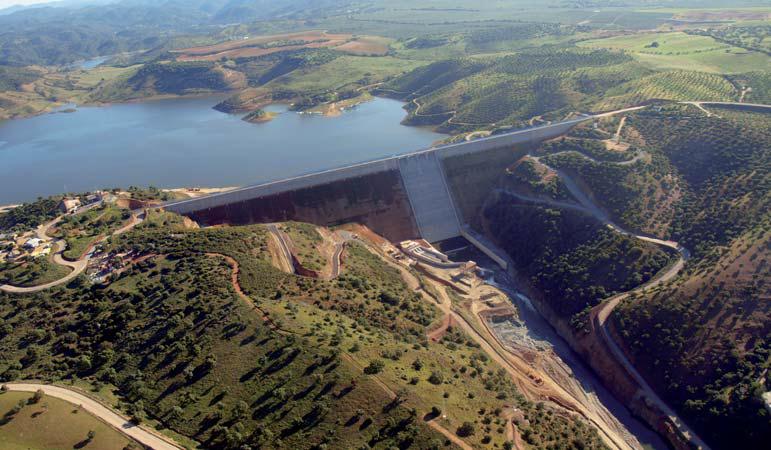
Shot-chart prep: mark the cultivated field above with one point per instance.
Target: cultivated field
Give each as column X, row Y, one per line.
column 678, row 50
column 266, row 45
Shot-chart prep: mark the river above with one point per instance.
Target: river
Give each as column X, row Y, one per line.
column 184, row 142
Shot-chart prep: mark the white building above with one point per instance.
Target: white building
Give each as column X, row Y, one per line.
column 33, row 243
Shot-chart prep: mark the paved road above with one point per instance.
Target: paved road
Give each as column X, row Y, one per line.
column 601, row 313
column 114, row 419
column 738, row 104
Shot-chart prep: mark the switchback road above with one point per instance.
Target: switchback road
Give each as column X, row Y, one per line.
column 603, row 311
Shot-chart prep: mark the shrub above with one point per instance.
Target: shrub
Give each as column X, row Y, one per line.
column 374, row 367
column 465, row 430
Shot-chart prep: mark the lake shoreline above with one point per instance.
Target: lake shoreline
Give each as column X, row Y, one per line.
column 183, row 141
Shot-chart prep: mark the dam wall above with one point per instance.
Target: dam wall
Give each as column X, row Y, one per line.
column 401, row 197
column 429, row 197
column 376, row 199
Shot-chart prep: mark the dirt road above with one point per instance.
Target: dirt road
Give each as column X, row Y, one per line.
column 602, row 312
column 105, row 413
column 77, row 267
column 285, row 254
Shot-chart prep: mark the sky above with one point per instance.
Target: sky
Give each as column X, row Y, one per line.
column 7, row 3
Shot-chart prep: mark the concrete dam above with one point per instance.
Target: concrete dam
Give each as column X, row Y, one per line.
column 424, row 194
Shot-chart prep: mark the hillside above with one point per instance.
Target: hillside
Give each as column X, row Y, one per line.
column 569, row 256
column 712, row 324
column 295, row 362
column 542, row 84
column 172, row 78
column 712, row 334
column 699, row 177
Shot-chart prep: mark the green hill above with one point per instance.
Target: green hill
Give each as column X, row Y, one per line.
column 572, row 259
column 300, row 362
column 704, row 182
column 175, row 78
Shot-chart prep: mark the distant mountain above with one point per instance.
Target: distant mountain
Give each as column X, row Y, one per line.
column 63, row 32
column 56, row 3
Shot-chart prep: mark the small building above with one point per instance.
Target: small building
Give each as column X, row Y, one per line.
column 33, row 243
column 69, row 205
column 42, row 250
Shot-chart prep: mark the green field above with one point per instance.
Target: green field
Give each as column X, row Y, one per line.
column 342, row 72
column 33, row 272
column 679, row 50
column 53, row 424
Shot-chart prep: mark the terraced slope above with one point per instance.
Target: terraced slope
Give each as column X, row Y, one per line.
column 542, row 84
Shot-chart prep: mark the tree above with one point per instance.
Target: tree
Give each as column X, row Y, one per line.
column 91, row 435
column 240, row 409
column 465, row 430
column 176, row 413
column 36, row 397
column 436, row 378
column 374, row 367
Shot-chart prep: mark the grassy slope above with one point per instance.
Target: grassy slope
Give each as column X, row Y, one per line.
column 33, row 272
column 53, row 424
column 173, row 333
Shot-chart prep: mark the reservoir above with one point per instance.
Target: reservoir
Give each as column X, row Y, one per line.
column 183, row 142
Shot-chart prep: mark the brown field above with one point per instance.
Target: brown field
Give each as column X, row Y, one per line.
column 366, row 45
column 248, row 47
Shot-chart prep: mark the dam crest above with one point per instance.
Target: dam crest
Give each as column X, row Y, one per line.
column 425, row 194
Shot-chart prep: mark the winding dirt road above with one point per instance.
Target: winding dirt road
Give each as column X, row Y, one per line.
column 111, row 417
column 602, row 312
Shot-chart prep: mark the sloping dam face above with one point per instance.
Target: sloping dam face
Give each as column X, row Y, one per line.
column 402, row 197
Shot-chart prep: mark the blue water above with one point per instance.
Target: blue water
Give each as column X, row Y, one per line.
column 88, row 64
column 184, row 142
